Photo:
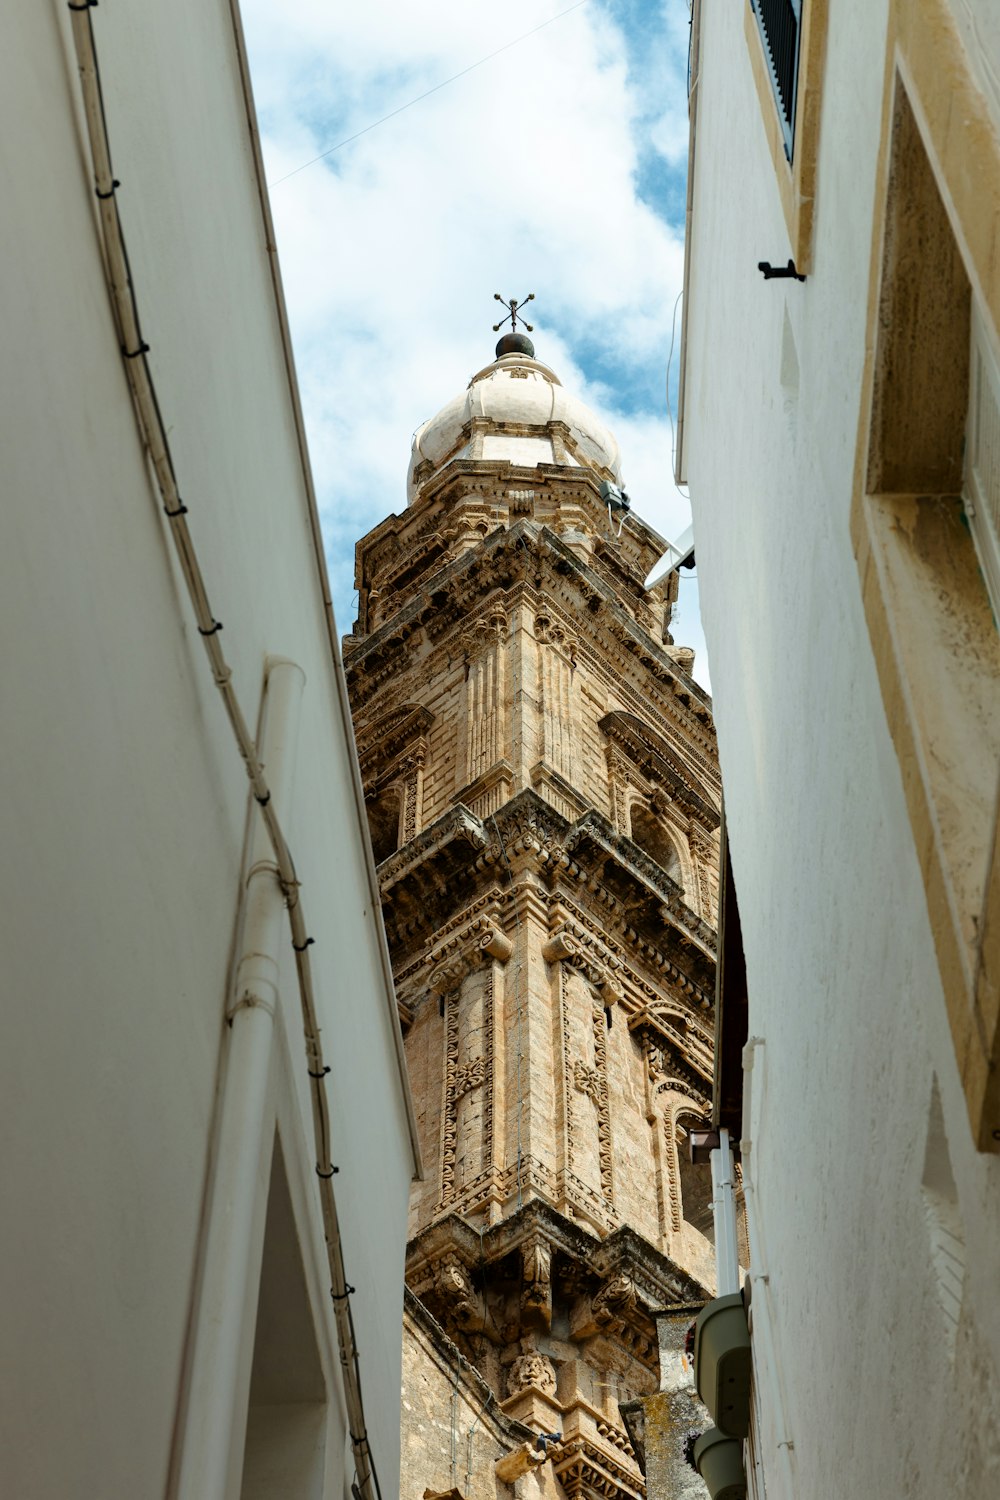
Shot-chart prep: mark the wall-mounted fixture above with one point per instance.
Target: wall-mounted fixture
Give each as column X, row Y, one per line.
column 719, row 1460
column 722, row 1363
column 779, row 273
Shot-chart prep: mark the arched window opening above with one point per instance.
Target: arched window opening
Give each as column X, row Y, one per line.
column 383, row 823
column 696, row 1187
column 648, row 832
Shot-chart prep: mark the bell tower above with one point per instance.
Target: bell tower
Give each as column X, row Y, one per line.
column 543, row 791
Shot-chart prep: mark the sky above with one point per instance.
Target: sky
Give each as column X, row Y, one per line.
column 555, row 166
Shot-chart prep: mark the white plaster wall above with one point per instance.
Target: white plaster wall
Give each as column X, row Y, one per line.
column 843, row 978
column 125, row 801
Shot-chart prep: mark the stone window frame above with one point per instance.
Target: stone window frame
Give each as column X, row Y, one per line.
column 924, row 598
column 392, row 754
column 391, row 786
column 796, row 178
column 639, row 793
column 641, row 764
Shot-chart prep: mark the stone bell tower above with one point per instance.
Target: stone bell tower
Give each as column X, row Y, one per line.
column 543, row 793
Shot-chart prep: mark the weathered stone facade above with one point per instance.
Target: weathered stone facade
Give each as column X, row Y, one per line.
column 543, row 788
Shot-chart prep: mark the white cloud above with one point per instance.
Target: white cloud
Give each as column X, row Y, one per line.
column 520, row 176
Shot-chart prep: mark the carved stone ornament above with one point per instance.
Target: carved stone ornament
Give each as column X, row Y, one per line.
column 483, row 634
column 452, row 1285
column 612, row 992
column 550, row 632
column 471, row 1076
column 586, row 1080
column 615, row 1300
column 661, row 803
column 536, row 1260
column 531, row 1369
column 497, row 944
column 560, row 946
column 536, row 1268
column 449, row 975
column 465, row 951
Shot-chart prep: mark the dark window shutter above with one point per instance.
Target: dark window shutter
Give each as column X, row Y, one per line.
column 780, row 22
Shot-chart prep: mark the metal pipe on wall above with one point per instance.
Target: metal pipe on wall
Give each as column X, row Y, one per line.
column 727, row 1260
column 213, row 1408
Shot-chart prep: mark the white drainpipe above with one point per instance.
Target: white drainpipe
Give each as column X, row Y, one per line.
column 727, row 1260
column 214, row 1385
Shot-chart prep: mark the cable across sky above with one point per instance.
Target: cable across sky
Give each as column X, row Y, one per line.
column 426, row 95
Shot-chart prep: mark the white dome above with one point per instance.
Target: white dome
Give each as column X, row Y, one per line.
column 508, row 412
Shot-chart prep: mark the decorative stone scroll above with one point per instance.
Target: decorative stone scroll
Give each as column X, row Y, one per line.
column 603, row 1107
column 614, row 1303
column 568, row 950
column 472, row 1076
column 584, row 951
column 618, row 785
column 412, row 797
column 586, row 1080
column 464, row 951
column 705, row 858
column 453, row 1287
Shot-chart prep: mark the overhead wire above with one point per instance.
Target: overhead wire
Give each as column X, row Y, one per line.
column 348, row 140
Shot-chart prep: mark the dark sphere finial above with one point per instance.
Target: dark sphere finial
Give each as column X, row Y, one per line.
column 515, row 343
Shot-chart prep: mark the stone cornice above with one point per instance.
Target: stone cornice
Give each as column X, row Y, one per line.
column 495, row 477
column 384, row 739
column 670, row 1031
column 649, row 1002
column 657, row 1280
column 595, row 829
column 519, row 553
column 457, row 825
column 461, row 854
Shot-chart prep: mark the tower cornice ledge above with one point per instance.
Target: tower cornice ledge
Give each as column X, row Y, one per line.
column 521, row 553
column 460, row 855
column 656, row 1280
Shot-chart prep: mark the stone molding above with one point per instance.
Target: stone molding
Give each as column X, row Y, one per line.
column 531, row 556
column 639, row 745
column 657, row 1281
column 477, row 942
column 669, row 941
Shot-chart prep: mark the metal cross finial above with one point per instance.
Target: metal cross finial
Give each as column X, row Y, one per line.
column 514, row 306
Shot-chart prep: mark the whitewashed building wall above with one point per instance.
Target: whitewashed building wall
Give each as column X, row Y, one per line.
column 875, row 1220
